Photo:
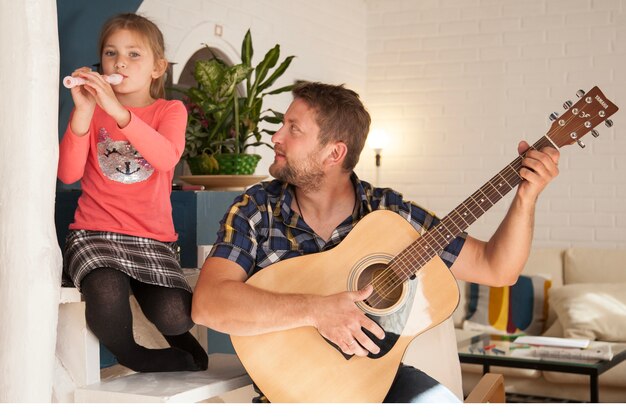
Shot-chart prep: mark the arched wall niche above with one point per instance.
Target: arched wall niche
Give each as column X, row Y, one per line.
column 194, row 46
column 186, row 78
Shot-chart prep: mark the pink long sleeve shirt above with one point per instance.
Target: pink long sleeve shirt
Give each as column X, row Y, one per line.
column 126, row 174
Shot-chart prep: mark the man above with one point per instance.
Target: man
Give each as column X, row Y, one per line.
column 314, row 202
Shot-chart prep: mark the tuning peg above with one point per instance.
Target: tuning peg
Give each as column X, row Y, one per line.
column 580, row 143
column 580, row 93
column 594, row 133
column 608, row 122
column 553, row 116
column 567, row 104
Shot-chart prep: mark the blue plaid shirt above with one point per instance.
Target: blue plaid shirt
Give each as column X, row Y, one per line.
column 260, row 228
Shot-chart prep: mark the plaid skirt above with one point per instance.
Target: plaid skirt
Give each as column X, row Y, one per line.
column 147, row 260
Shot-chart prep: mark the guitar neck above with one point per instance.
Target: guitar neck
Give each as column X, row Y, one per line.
column 416, row 255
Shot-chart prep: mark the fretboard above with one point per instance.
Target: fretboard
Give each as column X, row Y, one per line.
column 416, row 255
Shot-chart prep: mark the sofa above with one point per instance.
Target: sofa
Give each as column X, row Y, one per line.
column 585, row 299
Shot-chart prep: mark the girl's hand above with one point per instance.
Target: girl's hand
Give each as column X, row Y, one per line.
column 104, row 96
column 84, row 101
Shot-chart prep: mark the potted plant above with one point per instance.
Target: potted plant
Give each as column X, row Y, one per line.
column 222, row 125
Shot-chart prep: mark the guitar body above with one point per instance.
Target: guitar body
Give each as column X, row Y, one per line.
column 299, row 365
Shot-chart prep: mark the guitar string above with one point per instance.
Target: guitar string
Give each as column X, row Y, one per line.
column 393, row 281
column 492, row 194
column 421, row 257
column 393, row 285
column 490, row 197
column 425, row 242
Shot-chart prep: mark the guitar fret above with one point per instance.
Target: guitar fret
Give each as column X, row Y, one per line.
column 495, row 195
column 459, row 220
column 400, row 265
column 487, row 197
column 479, row 201
column 442, row 226
column 505, row 180
column 517, row 177
column 499, row 195
column 474, row 206
column 466, row 211
column 457, row 227
column 450, row 217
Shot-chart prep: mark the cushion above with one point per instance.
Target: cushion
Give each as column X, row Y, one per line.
column 591, row 311
column 520, row 308
column 591, row 265
column 546, row 262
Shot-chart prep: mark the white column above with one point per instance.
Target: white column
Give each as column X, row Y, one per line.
column 30, row 259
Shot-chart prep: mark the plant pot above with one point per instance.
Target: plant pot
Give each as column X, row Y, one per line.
column 237, row 164
column 202, row 164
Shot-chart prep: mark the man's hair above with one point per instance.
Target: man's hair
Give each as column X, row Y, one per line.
column 340, row 115
column 151, row 34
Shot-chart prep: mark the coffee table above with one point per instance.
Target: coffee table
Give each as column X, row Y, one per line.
column 472, row 350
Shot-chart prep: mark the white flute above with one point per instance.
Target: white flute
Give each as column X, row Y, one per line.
column 70, row 82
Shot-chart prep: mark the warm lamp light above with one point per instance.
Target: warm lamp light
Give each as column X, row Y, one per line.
column 377, row 140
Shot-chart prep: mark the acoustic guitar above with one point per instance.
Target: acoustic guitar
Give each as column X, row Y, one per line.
column 413, row 289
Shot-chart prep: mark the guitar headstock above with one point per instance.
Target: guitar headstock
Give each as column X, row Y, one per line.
column 592, row 109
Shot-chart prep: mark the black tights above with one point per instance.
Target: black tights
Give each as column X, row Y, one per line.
column 108, row 314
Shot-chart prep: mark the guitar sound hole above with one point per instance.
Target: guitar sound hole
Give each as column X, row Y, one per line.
column 387, row 286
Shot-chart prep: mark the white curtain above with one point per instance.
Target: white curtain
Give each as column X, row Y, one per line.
column 30, row 259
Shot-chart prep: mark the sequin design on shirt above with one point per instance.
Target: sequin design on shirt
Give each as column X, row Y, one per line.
column 120, row 161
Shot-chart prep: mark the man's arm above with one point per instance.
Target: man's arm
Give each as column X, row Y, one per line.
column 224, row 302
column 499, row 261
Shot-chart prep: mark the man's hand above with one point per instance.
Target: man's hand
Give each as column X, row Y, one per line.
column 339, row 320
column 539, row 167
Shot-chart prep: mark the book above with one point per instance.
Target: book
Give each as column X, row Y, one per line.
column 599, row 351
column 552, row 341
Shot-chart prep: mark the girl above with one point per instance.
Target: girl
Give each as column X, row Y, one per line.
column 123, row 142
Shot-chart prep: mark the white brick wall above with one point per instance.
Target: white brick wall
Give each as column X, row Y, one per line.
column 328, row 37
column 458, row 83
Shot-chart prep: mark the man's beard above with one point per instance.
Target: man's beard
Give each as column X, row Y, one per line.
column 309, row 176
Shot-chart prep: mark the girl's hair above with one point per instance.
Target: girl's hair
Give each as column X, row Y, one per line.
column 152, row 35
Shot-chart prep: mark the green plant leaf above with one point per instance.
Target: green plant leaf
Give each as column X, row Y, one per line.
column 246, row 49
column 261, row 70
column 233, row 76
column 256, row 144
column 277, row 73
column 279, row 90
column 209, row 75
column 272, row 119
column 276, row 113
